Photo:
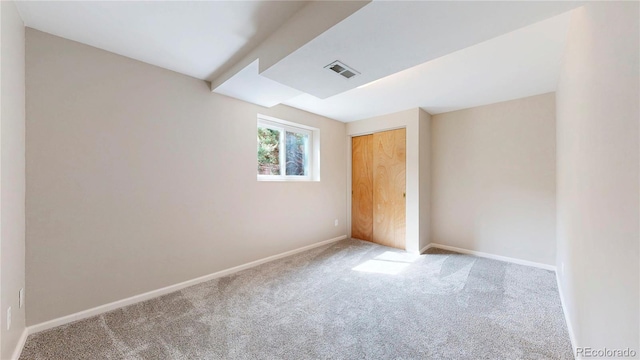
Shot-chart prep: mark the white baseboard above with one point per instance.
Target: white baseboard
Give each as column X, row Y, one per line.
column 166, row 290
column 491, row 256
column 572, row 337
column 425, row 248
column 20, row 345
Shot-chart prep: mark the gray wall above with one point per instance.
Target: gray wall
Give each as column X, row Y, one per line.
column 598, row 180
column 494, row 179
column 12, row 184
column 424, row 128
column 140, row 178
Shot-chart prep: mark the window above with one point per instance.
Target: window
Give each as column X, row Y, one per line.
column 287, row 151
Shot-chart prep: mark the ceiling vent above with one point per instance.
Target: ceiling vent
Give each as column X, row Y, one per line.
column 342, row 69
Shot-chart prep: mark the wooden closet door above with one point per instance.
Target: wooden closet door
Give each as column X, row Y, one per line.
column 389, row 187
column 362, row 187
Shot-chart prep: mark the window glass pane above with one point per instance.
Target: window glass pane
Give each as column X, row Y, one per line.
column 268, row 151
column 297, row 153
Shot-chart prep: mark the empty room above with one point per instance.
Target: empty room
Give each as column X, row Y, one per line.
column 319, row 180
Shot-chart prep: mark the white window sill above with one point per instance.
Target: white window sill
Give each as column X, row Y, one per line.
column 286, row 178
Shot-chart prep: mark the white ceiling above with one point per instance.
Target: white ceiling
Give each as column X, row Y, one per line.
column 196, row 38
column 243, row 79
column 521, row 63
column 203, row 39
column 384, row 37
column 249, row 86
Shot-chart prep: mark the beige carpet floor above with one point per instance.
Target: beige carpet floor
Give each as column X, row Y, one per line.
column 348, row 300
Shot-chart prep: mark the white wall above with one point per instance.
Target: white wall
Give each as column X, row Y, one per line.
column 139, row 178
column 493, row 179
column 12, row 169
column 416, row 123
column 424, row 128
column 598, row 176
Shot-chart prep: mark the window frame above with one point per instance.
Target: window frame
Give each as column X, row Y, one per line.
column 312, row 149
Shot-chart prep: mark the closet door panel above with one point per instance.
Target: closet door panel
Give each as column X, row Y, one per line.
column 362, row 188
column 389, row 187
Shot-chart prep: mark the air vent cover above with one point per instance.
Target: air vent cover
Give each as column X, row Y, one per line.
column 342, row 69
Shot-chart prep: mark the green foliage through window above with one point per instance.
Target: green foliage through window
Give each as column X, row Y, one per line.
column 268, row 151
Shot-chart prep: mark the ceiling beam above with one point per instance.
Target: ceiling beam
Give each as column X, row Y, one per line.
column 309, row 22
